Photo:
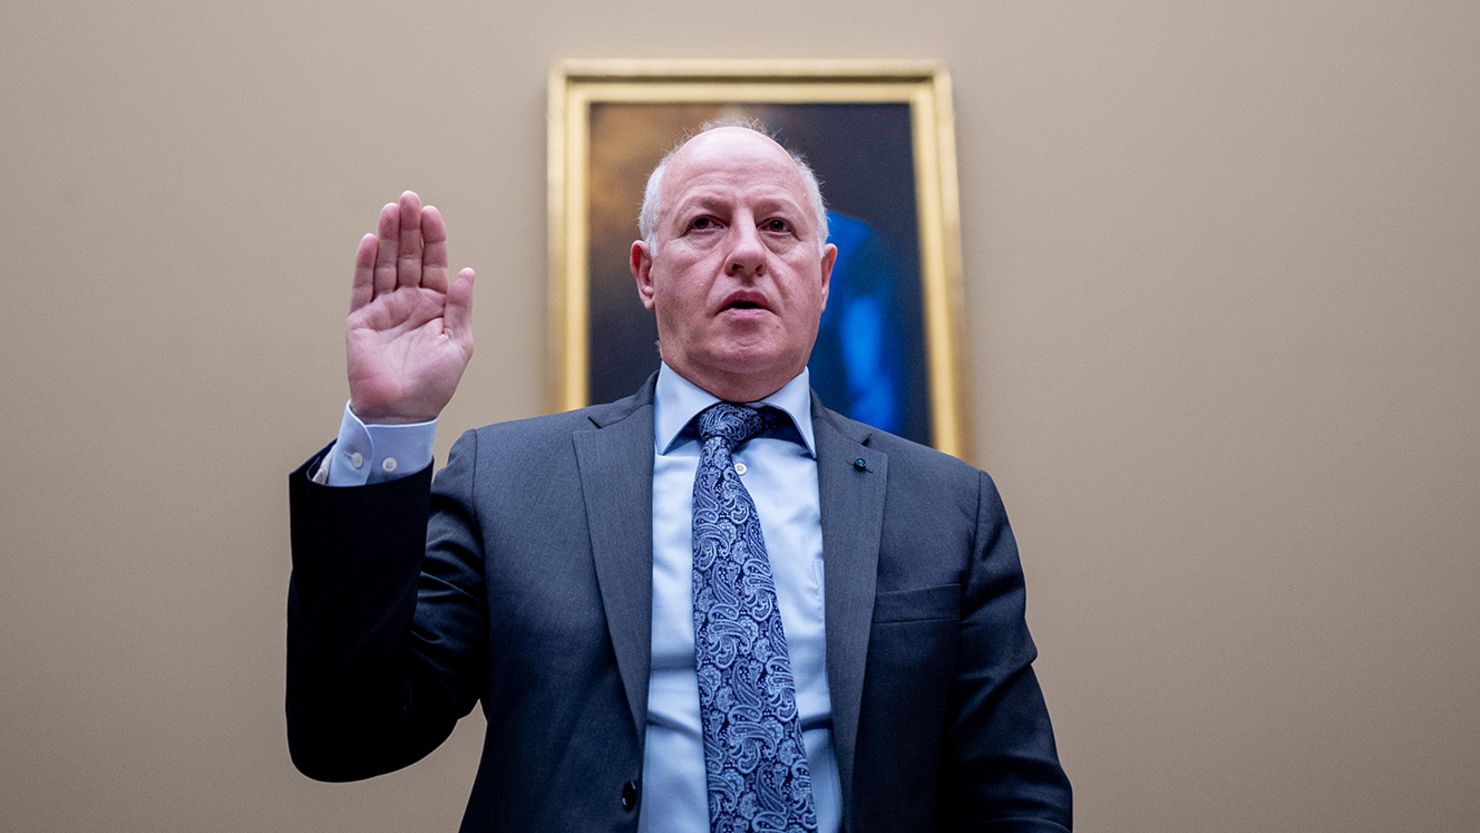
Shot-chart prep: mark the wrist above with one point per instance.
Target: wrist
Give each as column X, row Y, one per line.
column 373, row 416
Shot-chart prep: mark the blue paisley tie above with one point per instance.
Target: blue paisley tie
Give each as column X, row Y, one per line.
column 755, row 763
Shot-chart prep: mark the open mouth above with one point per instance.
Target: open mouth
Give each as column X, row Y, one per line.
column 744, row 301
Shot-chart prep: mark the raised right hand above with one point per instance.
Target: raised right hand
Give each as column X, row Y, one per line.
column 409, row 335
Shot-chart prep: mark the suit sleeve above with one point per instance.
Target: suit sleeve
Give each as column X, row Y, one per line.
column 1004, row 772
column 386, row 618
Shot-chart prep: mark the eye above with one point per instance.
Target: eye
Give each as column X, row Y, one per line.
column 776, row 225
column 703, row 224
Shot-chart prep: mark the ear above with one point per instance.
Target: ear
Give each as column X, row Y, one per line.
column 641, row 262
column 829, row 257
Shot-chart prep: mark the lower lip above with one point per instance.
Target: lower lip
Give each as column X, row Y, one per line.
column 745, row 312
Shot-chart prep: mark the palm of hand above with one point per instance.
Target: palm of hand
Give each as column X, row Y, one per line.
column 408, row 336
column 403, row 362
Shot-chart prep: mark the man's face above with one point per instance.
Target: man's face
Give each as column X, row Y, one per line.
column 737, row 279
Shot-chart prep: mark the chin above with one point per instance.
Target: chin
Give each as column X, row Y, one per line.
column 750, row 359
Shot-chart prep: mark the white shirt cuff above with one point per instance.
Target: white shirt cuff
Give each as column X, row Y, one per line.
column 365, row 454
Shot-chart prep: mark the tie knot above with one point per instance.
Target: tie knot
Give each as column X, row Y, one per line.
column 734, row 424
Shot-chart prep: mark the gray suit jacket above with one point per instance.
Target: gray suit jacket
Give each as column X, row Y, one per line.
column 522, row 578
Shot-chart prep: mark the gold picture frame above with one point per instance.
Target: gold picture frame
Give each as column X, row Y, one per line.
column 880, row 132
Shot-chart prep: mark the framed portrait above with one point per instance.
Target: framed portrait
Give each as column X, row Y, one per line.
column 879, row 136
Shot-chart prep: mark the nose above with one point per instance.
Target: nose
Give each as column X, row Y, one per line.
column 747, row 253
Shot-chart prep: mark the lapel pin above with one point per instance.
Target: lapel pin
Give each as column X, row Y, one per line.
column 860, row 464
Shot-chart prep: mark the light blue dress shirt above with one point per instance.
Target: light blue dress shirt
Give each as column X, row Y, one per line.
column 366, row 454
column 779, row 469
column 780, row 472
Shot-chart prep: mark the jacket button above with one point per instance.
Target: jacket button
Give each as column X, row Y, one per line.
column 629, row 796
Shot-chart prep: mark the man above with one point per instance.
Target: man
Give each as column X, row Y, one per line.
column 678, row 614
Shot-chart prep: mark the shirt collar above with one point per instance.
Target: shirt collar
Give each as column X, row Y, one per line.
column 678, row 400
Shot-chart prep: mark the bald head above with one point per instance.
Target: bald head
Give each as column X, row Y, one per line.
column 735, row 263
column 652, row 196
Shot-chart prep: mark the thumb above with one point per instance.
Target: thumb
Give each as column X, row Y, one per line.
column 458, row 314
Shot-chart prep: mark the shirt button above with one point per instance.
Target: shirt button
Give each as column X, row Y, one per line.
column 740, row 469
column 356, row 459
column 388, row 464
column 629, row 796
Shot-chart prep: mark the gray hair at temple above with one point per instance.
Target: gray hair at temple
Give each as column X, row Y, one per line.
column 652, row 196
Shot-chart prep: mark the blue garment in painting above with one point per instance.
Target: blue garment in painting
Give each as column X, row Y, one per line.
column 857, row 363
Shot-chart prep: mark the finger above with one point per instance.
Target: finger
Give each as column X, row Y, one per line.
column 408, row 256
column 457, row 316
column 362, row 291
column 385, row 249
column 434, row 255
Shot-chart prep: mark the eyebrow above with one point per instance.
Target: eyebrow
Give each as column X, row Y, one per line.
column 708, row 203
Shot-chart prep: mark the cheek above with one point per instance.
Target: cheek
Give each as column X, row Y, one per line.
column 677, row 312
column 806, row 293
column 673, row 290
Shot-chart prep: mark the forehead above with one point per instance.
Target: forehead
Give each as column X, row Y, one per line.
column 732, row 161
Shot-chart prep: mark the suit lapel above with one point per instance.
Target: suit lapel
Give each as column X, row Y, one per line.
column 852, row 500
column 615, row 458
column 616, row 464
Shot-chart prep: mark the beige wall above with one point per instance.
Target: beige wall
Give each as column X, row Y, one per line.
column 1221, row 275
